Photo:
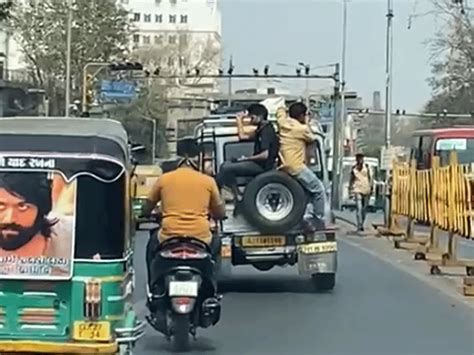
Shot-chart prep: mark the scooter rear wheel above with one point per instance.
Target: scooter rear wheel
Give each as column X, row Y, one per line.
column 181, row 327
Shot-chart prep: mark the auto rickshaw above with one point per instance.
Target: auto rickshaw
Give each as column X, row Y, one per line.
column 66, row 237
column 143, row 180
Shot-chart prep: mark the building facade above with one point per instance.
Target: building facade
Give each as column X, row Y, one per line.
column 179, row 36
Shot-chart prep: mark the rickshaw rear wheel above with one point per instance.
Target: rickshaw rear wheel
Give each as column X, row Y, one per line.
column 125, row 349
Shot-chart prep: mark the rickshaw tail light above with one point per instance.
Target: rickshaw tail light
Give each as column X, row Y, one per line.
column 92, row 299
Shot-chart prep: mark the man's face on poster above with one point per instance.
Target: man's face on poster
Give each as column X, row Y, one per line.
column 18, row 219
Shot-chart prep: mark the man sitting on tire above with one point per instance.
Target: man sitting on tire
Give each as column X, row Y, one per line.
column 265, row 149
column 295, row 134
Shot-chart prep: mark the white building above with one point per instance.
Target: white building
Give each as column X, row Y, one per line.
column 10, row 53
column 179, row 36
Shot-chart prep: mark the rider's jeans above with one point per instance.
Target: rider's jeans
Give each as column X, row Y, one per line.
column 315, row 187
column 361, row 209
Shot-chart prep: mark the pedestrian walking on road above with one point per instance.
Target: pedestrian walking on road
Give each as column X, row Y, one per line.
column 360, row 186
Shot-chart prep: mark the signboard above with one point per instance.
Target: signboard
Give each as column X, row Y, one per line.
column 451, row 144
column 37, row 221
column 387, row 156
column 114, row 90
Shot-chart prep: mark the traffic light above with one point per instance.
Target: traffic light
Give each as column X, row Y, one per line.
column 89, row 89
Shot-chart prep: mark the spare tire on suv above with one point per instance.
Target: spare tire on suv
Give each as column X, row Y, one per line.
column 274, row 202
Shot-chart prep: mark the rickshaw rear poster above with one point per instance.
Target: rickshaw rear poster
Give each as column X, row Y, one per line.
column 37, row 224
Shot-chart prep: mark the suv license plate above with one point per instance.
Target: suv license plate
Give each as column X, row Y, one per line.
column 183, row 288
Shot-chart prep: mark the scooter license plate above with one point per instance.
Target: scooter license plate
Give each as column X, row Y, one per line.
column 183, row 288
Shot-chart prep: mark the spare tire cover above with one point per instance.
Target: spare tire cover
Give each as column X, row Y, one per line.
column 274, row 202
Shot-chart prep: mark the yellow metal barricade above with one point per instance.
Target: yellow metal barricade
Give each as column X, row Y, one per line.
column 442, row 198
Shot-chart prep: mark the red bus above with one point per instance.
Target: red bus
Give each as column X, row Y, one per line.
column 440, row 142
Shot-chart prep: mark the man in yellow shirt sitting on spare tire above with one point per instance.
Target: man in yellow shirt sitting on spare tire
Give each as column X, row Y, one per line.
column 295, row 135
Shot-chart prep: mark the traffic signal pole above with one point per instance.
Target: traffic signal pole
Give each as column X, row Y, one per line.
column 127, row 66
column 246, row 76
column 335, row 77
column 85, row 87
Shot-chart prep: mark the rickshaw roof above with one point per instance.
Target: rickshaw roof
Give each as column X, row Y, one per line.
column 103, row 136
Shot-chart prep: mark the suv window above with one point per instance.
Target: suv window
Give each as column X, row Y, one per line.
column 315, row 160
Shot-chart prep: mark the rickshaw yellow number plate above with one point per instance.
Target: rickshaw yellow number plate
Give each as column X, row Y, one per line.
column 318, row 248
column 263, row 241
column 91, row 331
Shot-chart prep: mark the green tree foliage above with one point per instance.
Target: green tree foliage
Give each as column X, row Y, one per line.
column 100, row 32
column 5, row 8
column 150, row 103
column 452, row 48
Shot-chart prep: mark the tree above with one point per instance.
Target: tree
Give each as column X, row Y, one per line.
column 150, row 103
column 5, row 8
column 100, row 32
column 181, row 57
column 452, row 49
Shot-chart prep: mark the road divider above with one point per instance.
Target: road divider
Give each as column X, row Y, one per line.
column 441, row 198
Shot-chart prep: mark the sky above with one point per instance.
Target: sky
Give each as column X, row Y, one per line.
column 260, row 32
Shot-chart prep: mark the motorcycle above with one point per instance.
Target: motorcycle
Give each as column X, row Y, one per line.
column 182, row 292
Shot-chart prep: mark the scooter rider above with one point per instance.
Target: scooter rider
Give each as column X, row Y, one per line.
column 187, row 199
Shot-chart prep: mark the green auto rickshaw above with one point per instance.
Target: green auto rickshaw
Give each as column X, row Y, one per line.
column 66, row 237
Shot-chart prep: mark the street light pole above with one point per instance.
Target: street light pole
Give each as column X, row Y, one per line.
column 388, row 73
column 306, row 89
column 343, row 66
column 335, row 144
column 68, row 57
column 388, row 102
column 340, row 122
column 306, row 93
column 153, row 144
column 229, row 88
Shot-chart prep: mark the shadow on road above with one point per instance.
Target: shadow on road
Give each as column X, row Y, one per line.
column 157, row 344
column 267, row 284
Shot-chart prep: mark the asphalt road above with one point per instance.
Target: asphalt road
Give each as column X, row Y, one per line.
column 374, row 309
column 465, row 246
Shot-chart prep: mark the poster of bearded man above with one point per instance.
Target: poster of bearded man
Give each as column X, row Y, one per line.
column 37, row 219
